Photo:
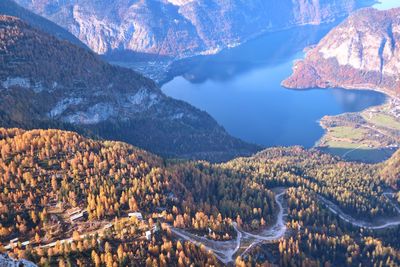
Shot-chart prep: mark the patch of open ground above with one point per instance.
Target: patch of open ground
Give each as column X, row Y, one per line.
column 372, row 135
column 382, row 120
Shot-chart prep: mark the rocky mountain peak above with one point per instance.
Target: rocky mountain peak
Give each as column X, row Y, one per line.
column 179, row 28
column 362, row 52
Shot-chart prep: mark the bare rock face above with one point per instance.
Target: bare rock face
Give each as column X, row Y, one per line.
column 363, row 52
column 46, row 82
column 180, row 28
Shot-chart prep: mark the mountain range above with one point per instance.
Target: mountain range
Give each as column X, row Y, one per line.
column 48, row 82
column 73, row 198
column 180, row 28
column 363, row 52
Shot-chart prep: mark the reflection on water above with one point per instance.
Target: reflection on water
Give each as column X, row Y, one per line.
column 268, row 50
column 353, row 101
column 241, row 89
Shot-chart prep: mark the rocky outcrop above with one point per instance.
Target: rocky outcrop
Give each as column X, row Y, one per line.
column 181, row 27
column 363, row 52
column 46, row 82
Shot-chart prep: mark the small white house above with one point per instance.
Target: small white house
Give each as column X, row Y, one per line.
column 148, row 235
column 78, row 216
column 74, row 211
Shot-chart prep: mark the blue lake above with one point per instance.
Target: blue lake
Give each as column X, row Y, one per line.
column 241, row 89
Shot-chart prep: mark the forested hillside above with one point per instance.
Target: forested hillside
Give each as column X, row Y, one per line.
column 356, row 187
column 69, row 200
column 391, row 170
column 10, row 8
column 49, row 174
column 48, row 82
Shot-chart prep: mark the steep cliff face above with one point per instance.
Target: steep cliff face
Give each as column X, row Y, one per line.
column 363, row 52
column 45, row 82
column 181, row 27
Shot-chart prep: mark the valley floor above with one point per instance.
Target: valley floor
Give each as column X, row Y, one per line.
column 372, row 135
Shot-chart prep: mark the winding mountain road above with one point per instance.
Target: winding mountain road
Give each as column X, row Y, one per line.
column 227, row 251
column 390, row 195
column 361, row 223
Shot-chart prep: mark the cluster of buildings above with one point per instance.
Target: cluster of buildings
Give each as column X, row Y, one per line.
column 148, row 234
column 395, row 107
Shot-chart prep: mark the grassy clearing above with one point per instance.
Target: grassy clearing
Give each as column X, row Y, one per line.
column 343, row 145
column 361, row 154
column 383, row 120
column 344, row 132
column 362, row 140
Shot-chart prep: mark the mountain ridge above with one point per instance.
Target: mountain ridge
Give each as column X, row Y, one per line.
column 181, row 28
column 106, row 100
column 10, row 8
column 360, row 53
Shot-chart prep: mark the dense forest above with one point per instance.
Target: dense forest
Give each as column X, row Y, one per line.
column 68, row 200
column 319, row 238
column 357, row 187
